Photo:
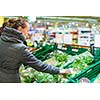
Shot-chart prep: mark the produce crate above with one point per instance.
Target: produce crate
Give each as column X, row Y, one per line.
column 73, row 51
column 43, row 53
column 97, row 54
column 90, row 73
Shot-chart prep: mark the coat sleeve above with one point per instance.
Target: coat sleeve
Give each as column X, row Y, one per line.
column 29, row 59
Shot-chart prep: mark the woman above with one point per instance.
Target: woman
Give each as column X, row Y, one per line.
column 14, row 52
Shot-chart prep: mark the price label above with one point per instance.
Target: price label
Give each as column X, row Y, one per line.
column 67, row 38
column 59, row 38
column 97, row 40
column 84, row 39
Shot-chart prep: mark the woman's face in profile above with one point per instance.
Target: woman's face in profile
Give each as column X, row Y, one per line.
column 25, row 30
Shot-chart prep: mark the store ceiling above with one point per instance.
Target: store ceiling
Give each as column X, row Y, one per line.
column 92, row 19
column 66, row 19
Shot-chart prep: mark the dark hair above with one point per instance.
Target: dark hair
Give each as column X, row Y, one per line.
column 4, row 24
column 15, row 23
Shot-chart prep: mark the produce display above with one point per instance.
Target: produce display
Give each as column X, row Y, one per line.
column 58, row 59
column 79, row 63
column 30, row 75
column 82, row 61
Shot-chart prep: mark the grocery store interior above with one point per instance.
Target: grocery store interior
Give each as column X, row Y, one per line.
column 64, row 42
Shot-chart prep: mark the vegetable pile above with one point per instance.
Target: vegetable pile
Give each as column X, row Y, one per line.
column 58, row 59
column 30, row 75
column 81, row 62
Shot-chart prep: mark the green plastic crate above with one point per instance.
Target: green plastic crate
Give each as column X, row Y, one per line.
column 43, row 53
column 41, row 49
column 97, row 54
column 74, row 51
column 90, row 73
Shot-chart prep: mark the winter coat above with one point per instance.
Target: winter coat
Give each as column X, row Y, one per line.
column 14, row 53
column 1, row 29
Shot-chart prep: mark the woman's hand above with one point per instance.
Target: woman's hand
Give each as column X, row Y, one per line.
column 66, row 71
